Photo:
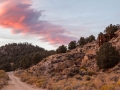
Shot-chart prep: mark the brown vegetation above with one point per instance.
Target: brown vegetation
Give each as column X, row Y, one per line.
column 3, row 78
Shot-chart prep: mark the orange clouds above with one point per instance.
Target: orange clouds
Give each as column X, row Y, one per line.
column 21, row 18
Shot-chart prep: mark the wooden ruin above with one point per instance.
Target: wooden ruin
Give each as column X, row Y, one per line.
column 104, row 38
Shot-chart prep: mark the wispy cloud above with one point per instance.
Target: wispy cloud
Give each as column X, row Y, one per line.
column 21, row 18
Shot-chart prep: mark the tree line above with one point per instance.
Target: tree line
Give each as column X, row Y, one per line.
column 73, row 44
column 82, row 41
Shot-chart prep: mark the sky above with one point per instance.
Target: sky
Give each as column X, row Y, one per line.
column 51, row 23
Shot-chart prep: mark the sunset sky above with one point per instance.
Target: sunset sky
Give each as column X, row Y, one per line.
column 50, row 23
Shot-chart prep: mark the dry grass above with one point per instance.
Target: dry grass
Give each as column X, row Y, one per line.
column 33, row 80
column 70, row 84
column 108, row 87
column 2, row 74
column 92, row 81
column 107, row 82
column 118, row 83
column 3, row 79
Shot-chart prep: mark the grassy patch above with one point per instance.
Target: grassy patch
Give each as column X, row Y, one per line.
column 3, row 78
column 2, row 74
column 108, row 87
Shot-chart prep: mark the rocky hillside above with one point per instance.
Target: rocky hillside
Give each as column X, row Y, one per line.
column 74, row 70
column 3, row 79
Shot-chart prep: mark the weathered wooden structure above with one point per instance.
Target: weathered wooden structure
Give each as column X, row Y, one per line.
column 104, row 38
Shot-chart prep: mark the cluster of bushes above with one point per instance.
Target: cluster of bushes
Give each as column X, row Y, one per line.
column 84, row 41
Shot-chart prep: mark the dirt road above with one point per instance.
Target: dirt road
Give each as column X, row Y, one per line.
column 16, row 84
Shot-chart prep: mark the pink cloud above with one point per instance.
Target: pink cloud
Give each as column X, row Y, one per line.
column 21, row 18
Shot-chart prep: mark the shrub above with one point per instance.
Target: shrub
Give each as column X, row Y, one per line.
column 68, row 88
column 83, row 68
column 118, row 83
column 75, row 70
column 108, row 87
column 88, row 78
column 70, row 74
column 90, row 73
column 2, row 73
column 61, row 49
column 82, row 41
column 107, row 56
column 72, row 45
column 90, row 38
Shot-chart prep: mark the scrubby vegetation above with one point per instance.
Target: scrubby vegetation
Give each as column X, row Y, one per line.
column 107, row 56
column 83, row 41
column 61, row 49
column 78, row 82
column 3, row 79
column 111, row 28
column 72, row 45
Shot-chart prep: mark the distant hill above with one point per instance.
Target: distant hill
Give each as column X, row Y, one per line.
column 21, row 55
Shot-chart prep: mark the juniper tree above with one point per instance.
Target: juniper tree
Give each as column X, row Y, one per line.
column 107, row 56
column 61, row 49
column 111, row 29
column 72, row 45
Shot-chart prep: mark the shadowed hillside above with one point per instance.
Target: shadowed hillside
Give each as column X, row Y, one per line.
column 21, row 55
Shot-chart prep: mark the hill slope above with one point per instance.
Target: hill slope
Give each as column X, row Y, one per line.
column 74, row 70
column 21, row 55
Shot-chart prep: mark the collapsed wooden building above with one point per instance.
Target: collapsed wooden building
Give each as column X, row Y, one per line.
column 104, row 38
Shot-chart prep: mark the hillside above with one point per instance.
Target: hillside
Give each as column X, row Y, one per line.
column 74, row 70
column 21, row 55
